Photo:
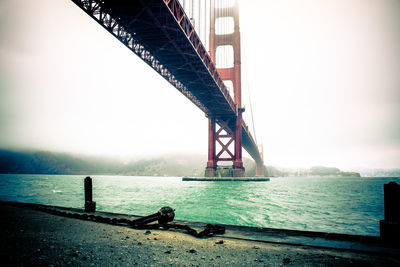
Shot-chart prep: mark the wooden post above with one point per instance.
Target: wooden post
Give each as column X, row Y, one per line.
column 90, row 205
column 390, row 227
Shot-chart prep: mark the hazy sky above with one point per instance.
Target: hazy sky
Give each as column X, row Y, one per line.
column 324, row 79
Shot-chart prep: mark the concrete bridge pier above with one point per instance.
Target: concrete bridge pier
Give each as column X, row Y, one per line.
column 260, row 169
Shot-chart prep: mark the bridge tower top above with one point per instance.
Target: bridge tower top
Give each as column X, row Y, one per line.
column 224, row 43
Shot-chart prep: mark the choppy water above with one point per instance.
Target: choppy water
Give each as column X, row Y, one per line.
column 340, row 205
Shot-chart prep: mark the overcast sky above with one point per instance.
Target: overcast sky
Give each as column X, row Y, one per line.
column 324, row 78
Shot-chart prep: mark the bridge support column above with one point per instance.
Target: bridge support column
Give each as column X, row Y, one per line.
column 260, row 169
column 211, row 163
column 260, row 164
column 238, row 168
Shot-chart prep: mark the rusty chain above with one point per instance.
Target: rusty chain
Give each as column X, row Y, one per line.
column 164, row 217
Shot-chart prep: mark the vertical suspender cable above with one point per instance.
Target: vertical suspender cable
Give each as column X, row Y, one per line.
column 200, row 22
column 219, row 26
column 223, row 21
column 205, row 24
column 196, row 22
column 223, row 30
column 194, row 14
column 219, row 11
column 199, row 15
column 227, row 29
column 216, row 28
column 191, row 11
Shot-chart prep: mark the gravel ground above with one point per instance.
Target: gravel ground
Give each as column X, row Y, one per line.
column 33, row 238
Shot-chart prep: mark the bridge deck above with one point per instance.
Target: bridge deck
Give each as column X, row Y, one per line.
column 159, row 32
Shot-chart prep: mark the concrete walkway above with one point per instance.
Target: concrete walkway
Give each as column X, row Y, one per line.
column 30, row 237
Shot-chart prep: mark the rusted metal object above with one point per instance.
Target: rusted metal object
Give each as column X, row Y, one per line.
column 163, row 216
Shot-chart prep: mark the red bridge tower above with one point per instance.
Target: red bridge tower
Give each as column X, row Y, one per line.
column 225, row 136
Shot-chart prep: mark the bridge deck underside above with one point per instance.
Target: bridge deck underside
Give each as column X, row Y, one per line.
column 153, row 25
column 152, row 31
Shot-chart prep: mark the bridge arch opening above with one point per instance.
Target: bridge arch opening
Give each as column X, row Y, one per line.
column 224, row 25
column 224, row 3
column 224, row 56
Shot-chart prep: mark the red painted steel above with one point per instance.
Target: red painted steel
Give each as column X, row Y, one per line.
column 224, row 132
column 179, row 14
column 211, row 144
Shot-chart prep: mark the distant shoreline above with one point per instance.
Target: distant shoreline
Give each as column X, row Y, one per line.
column 48, row 163
column 328, row 176
column 180, row 176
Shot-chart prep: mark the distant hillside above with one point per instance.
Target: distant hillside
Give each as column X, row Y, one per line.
column 331, row 171
column 60, row 163
column 317, row 171
column 380, row 172
column 52, row 163
column 168, row 165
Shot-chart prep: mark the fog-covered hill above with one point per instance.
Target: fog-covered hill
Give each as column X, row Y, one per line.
column 60, row 163
column 40, row 162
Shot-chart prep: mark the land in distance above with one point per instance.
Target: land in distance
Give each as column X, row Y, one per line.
column 44, row 162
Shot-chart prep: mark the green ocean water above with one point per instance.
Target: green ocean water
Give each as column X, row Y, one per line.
column 338, row 205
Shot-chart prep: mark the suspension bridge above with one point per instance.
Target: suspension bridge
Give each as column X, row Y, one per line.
column 171, row 37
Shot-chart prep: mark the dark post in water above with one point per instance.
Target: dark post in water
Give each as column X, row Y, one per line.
column 390, row 227
column 90, row 205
